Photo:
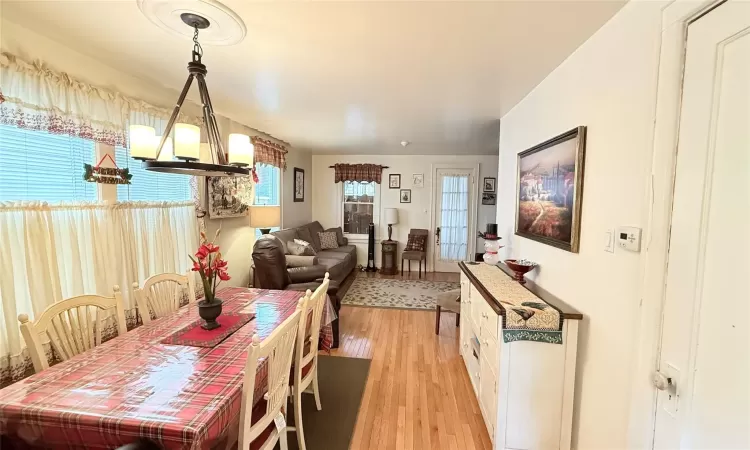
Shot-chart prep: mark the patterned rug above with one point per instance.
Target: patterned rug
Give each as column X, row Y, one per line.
column 404, row 294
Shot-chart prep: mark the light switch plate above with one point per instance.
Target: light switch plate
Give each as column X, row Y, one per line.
column 629, row 238
column 609, row 240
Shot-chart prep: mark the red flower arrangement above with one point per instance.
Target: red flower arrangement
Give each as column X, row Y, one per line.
column 212, row 269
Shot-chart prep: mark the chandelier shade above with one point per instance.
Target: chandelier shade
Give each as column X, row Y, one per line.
column 240, row 150
column 142, row 142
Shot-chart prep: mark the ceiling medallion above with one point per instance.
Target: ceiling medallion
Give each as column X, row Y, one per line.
column 187, row 139
column 227, row 28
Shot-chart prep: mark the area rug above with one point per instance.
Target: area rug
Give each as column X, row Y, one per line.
column 390, row 293
column 342, row 385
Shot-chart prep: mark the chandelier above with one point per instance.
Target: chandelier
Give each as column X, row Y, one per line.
column 159, row 154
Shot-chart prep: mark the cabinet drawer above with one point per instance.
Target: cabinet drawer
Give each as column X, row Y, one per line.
column 490, row 350
column 477, row 306
column 489, row 321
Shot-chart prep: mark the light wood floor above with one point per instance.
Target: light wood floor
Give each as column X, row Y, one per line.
column 418, row 394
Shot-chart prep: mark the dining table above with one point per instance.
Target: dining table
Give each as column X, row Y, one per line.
column 137, row 387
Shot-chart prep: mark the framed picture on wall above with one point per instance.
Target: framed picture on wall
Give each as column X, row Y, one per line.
column 229, row 196
column 489, row 184
column 417, row 180
column 405, row 195
column 488, row 198
column 299, row 184
column 550, row 190
column 394, row 181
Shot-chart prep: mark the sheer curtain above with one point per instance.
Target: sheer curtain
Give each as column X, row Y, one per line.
column 454, row 217
column 52, row 252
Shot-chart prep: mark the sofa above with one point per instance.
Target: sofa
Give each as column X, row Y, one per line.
column 338, row 262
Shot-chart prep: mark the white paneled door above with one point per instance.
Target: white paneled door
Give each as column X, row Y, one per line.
column 454, row 212
column 704, row 365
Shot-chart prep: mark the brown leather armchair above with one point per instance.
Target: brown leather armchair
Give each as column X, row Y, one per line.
column 271, row 273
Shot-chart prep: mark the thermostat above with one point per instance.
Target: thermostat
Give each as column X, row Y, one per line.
column 629, row 238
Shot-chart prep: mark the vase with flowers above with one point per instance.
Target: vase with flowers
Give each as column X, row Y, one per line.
column 213, row 270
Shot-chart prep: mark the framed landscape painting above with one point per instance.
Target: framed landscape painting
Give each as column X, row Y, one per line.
column 550, row 190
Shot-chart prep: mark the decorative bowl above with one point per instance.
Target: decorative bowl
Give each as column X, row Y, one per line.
column 519, row 269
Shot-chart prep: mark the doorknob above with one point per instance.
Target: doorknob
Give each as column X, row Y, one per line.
column 437, row 236
column 662, row 382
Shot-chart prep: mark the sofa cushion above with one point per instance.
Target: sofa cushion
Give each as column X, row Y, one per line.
column 328, row 240
column 339, row 235
column 336, row 256
column 304, row 234
column 296, row 248
column 315, row 228
column 340, row 249
column 285, row 236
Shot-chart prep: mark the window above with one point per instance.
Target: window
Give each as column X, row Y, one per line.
column 267, row 191
column 359, row 206
column 36, row 165
column 268, row 187
column 150, row 186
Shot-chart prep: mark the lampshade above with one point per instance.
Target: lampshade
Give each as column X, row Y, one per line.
column 391, row 216
column 167, row 152
column 143, row 142
column 265, row 216
column 187, row 141
column 240, row 150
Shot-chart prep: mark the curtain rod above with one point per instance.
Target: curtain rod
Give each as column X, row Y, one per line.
column 384, row 167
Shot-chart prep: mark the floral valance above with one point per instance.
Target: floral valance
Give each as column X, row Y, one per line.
column 358, row 172
column 269, row 152
column 39, row 98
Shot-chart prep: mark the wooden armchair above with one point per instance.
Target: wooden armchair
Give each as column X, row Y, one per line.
column 417, row 238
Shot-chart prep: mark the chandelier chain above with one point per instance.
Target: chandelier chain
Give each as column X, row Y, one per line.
column 197, row 45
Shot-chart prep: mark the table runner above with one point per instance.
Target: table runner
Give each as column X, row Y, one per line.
column 527, row 317
column 134, row 387
column 195, row 336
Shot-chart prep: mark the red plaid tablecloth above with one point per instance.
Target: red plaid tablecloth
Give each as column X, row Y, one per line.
column 134, row 387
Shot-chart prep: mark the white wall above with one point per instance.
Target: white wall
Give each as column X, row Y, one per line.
column 326, row 205
column 609, row 85
column 293, row 213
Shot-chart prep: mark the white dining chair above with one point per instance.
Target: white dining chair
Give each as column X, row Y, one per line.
column 73, row 326
column 161, row 294
column 306, row 357
column 258, row 421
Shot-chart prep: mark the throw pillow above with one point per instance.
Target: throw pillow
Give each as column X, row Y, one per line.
column 304, row 234
column 328, row 240
column 416, row 243
column 300, row 248
column 339, row 235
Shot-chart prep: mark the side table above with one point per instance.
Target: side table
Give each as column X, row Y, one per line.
column 388, row 260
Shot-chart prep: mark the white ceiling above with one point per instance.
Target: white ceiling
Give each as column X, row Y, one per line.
column 347, row 77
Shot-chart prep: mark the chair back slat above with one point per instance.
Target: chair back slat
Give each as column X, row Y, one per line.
column 312, row 334
column 69, row 326
column 276, row 351
column 161, row 294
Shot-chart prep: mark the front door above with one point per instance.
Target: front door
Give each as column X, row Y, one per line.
column 704, row 362
column 454, row 212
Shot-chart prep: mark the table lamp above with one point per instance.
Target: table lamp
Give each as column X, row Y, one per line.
column 391, row 218
column 264, row 217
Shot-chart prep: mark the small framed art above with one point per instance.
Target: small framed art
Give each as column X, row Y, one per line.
column 405, row 195
column 394, row 181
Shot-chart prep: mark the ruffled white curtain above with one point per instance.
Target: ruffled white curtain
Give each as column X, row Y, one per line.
column 454, row 215
column 39, row 98
column 52, row 252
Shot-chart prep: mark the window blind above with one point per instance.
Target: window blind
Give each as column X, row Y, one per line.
column 268, row 187
column 36, row 165
column 150, row 186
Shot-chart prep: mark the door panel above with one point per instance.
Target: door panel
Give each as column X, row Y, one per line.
column 454, row 211
column 705, row 348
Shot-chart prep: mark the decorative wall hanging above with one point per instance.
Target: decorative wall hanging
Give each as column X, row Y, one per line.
column 417, row 180
column 550, row 190
column 489, row 184
column 229, row 196
column 362, row 173
column 394, row 181
column 405, row 195
column 488, row 198
column 106, row 175
column 299, row 185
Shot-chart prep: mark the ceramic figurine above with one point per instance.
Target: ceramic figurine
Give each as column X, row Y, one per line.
column 491, row 244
